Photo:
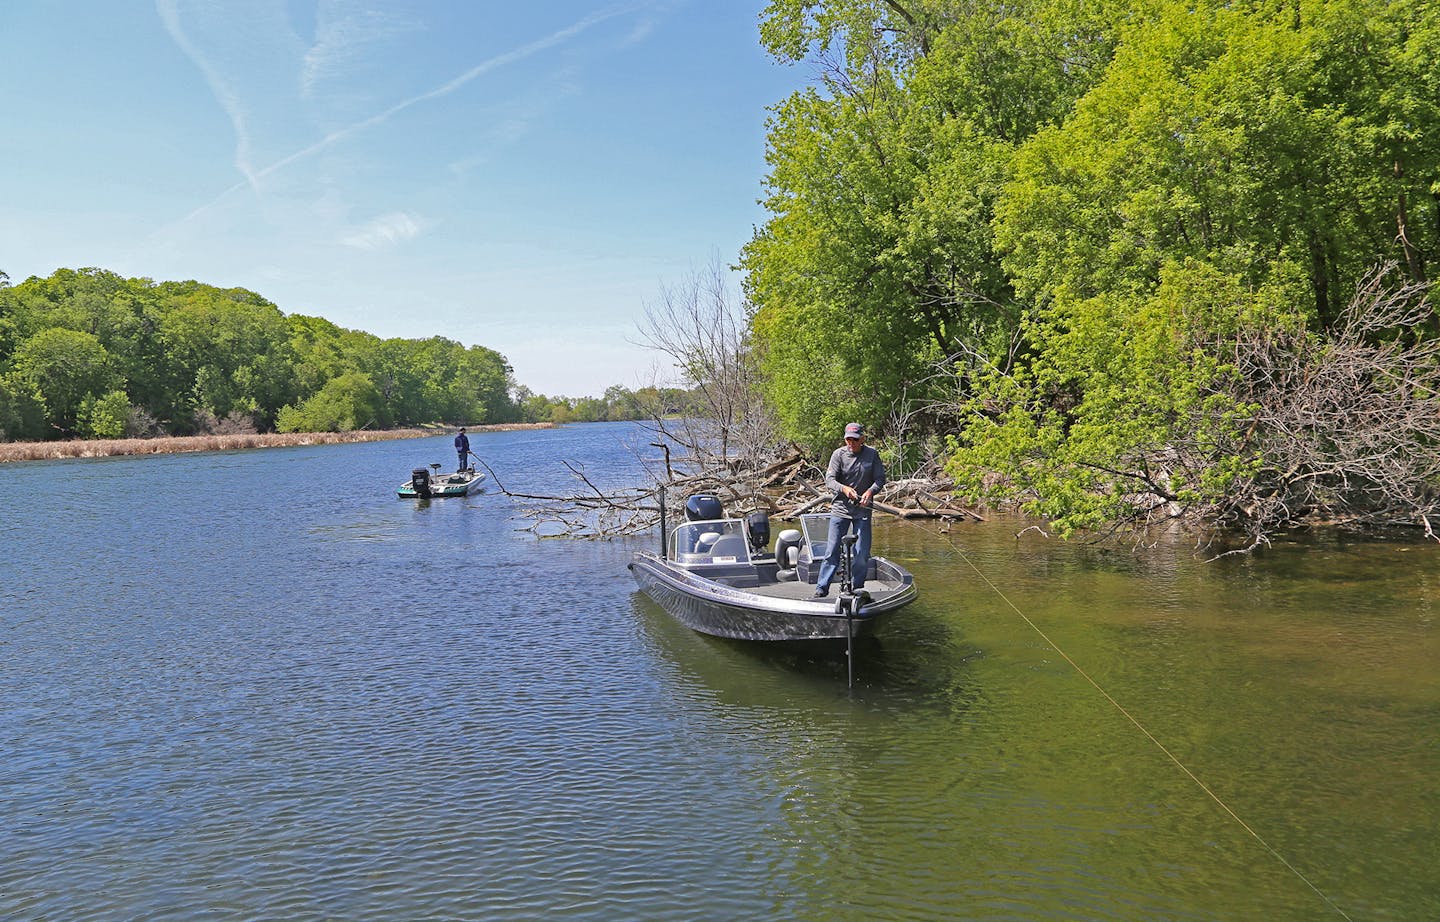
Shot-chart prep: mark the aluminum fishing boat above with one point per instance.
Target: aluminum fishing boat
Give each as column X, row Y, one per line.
column 717, row 576
column 432, row 484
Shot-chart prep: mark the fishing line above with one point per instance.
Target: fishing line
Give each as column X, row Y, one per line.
column 1141, row 727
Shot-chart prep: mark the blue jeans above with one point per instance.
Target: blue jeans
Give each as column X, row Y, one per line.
column 461, row 467
column 839, row 527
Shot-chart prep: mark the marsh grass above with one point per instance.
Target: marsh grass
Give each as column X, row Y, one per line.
column 105, row 448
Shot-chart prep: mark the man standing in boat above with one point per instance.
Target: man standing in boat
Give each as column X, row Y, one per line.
column 462, row 447
column 855, row 473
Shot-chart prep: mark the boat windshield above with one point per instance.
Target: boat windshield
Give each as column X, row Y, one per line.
column 717, row 541
column 817, row 534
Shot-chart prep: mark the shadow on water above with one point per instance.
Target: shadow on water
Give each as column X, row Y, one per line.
column 910, row 661
column 423, row 502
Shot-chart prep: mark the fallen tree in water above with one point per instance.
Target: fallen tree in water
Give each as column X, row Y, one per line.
column 733, row 451
column 785, row 488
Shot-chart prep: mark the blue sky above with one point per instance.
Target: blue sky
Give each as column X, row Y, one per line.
column 522, row 176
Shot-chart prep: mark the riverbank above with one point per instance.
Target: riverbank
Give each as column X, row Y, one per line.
column 106, row 448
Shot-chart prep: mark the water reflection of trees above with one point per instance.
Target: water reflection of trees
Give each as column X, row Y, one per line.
column 971, row 762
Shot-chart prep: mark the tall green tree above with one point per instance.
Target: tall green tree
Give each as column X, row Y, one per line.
column 321, row 351
column 879, row 260
column 228, row 351
column 347, row 401
column 61, row 369
column 485, row 380
column 122, row 314
column 1083, row 209
column 87, row 352
column 1239, row 169
column 1259, row 138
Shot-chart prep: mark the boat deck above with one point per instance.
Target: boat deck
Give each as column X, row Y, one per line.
column 745, row 601
column 445, row 485
column 796, row 590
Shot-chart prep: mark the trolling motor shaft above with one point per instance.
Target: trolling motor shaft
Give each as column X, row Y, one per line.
column 847, row 603
column 847, row 579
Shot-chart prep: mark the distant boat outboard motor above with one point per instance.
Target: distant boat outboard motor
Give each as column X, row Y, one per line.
column 757, row 527
column 703, row 507
column 420, row 482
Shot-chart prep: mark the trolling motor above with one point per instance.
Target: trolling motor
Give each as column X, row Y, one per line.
column 848, row 603
column 420, row 482
column 848, row 600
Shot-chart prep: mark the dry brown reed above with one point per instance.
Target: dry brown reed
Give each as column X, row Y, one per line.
column 105, row 448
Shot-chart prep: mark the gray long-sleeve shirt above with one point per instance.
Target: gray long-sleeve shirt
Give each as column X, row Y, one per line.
column 859, row 470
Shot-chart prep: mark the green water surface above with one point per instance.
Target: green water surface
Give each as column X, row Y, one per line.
column 256, row 685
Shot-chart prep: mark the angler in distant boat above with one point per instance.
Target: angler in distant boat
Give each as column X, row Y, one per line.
column 462, row 448
column 431, row 484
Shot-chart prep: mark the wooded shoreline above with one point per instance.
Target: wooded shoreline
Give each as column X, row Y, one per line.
column 107, row 448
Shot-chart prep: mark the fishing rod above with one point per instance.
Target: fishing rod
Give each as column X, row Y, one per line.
column 1141, row 727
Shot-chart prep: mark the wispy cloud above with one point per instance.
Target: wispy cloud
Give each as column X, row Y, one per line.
column 343, row 36
column 385, row 231
column 485, row 67
column 225, row 94
column 231, row 102
column 518, row 120
column 317, row 64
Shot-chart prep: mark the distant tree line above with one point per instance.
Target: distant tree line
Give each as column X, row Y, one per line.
column 87, row 353
column 617, row 403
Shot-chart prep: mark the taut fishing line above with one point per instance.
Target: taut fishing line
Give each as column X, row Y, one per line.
column 1141, row 727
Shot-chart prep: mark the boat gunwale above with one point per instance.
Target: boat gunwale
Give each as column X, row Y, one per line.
column 686, row 580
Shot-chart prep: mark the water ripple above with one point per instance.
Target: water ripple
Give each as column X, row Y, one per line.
column 231, row 704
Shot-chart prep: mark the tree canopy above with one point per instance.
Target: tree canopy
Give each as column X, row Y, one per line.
column 1055, row 221
column 86, row 352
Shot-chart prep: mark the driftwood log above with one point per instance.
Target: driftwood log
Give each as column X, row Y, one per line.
column 722, row 439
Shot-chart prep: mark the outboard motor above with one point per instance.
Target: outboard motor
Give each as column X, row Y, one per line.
column 757, row 527
column 420, row 482
column 703, row 507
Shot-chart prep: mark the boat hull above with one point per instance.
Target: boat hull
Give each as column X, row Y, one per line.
column 443, row 487
column 714, row 608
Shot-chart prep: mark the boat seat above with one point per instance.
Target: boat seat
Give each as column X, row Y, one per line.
column 706, row 541
column 729, row 546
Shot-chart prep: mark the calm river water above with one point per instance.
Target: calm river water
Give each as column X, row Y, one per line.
column 257, row 685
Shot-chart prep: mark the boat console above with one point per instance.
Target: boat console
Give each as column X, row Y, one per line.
column 729, row 551
column 707, row 542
